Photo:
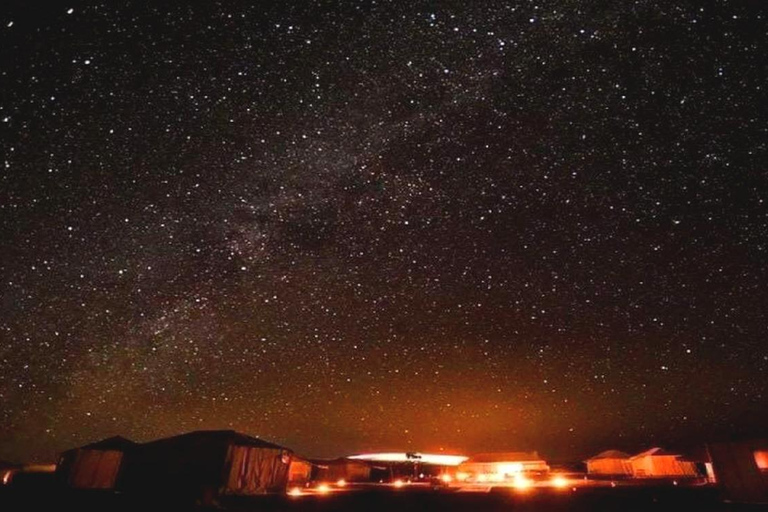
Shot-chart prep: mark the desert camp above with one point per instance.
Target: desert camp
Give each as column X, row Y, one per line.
column 204, row 468
column 383, row 255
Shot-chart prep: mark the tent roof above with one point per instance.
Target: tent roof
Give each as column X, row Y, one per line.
column 655, row 452
column 224, row 436
column 504, row 457
column 611, row 454
column 117, row 443
column 110, row 443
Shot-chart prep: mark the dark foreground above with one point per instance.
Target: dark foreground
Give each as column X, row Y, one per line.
column 678, row 499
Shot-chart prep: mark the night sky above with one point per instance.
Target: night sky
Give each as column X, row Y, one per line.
column 362, row 225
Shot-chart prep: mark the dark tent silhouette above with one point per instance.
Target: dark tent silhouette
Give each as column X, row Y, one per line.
column 206, row 464
column 741, row 470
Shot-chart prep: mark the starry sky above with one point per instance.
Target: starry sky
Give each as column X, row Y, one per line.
column 361, row 225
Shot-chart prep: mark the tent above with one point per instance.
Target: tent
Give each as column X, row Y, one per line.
column 741, row 470
column 94, row 466
column 610, row 463
column 501, row 465
column 206, row 464
column 659, row 463
column 342, row 469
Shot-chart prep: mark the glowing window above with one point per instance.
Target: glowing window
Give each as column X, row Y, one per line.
column 761, row 459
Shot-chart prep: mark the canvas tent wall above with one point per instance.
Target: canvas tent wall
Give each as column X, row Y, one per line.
column 94, row 466
column 205, row 464
column 741, row 470
column 659, row 463
column 610, row 463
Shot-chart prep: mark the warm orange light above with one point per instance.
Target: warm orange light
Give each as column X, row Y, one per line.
column 295, row 491
column 461, row 476
column 521, row 483
column 323, row 489
column 509, row 468
column 398, row 483
column 445, row 477
column 341, row 483
column 6, row 477
column 559, row 482
column 761, row 459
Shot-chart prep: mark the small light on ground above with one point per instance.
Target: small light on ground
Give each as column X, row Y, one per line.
column 521, row 483
column 560, row 482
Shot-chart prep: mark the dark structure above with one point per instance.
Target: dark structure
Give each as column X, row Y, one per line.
column 204, row 465
column 342, row 469
column 741, row 470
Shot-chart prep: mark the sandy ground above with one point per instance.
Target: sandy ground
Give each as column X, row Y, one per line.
column 635, row 498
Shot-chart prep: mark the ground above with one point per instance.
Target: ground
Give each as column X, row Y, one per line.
column 651, row 498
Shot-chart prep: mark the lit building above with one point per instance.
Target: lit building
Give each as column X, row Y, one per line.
column 659, row 463
column 501, row 466
column 610, row 463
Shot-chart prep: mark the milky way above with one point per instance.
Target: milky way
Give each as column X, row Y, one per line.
column 348, row 226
